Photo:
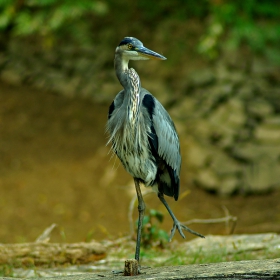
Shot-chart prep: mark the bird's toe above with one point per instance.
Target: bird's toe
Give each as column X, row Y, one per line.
column 179, row 226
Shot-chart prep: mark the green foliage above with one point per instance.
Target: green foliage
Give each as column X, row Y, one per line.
column 179, row 9
column 152, row 235
column 6, row 270
column 235, row 23
column 179, row 257
column 229, row 24
column 49, row 18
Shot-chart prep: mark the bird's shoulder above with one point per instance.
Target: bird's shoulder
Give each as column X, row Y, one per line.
column 164, row 136
column 155, row 108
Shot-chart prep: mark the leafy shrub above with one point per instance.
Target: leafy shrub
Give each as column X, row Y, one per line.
column 251, row 23
column 152, row 235
column 49, row 18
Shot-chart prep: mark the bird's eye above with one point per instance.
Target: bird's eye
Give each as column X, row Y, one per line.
column 129, row 46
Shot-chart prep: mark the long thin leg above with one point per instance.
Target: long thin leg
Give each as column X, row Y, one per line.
column 141, row 210
column 176, row 224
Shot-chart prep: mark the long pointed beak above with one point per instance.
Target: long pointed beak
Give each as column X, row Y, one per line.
column 149, row 53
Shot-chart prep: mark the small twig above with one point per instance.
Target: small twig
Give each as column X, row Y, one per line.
column 116, row 242
column 234, row 220
column 227, row 214
column 210, row 221
column 45, row 236
column 228, row 218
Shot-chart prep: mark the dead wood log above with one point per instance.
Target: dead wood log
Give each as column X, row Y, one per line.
column 257, row 269
column 41, row 253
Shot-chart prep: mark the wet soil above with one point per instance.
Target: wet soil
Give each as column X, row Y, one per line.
column 55, row 168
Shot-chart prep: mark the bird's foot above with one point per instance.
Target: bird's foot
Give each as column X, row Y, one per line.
column 179, row 226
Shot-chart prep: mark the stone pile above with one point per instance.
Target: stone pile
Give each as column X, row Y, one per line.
column 231, row 119
column 66, row 69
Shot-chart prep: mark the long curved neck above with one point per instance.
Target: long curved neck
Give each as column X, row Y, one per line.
column 130, row 81
column 121, row 66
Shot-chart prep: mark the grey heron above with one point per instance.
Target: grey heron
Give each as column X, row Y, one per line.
column 143, row 135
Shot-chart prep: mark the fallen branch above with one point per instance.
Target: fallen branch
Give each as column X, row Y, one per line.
column 228, row 218
column 40, row 253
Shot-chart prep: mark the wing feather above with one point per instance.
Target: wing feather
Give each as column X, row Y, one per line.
column 164, row 144
column 168, row 140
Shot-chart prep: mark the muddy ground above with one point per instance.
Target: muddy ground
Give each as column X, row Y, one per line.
column 55, row 168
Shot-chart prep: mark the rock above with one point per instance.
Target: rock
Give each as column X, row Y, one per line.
column 245, row 92
column 252, row 151
column 201, row 78
column 230, row 115
column 197, row 155
column 261, row 175
column 260, row 108
column 260, row 66
column 228, row 185
column 207, row 179
column 221, row 172
column 201, row 129
column 226, row 121
column 272, row 96
column 222, row 164
column 269, row 131
column 221, row 72
column 185, row 109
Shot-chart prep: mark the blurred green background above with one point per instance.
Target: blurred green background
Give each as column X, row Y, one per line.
column 220, row 83
column 225, row 23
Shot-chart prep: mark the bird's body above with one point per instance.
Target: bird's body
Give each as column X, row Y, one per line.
column 148, row 150
column 143, row 135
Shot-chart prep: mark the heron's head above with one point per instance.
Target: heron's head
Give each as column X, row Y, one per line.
column 132, row 49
